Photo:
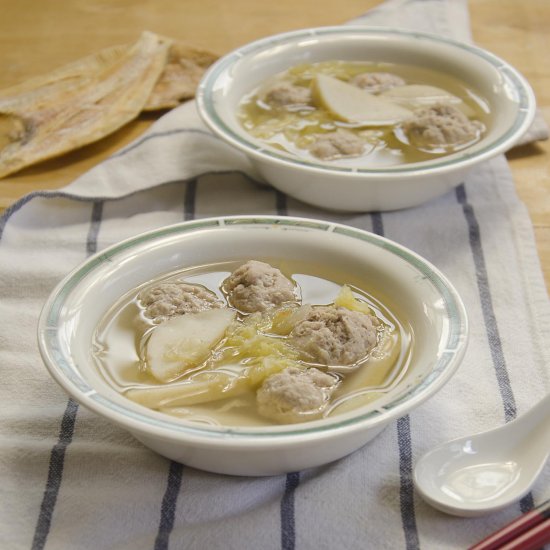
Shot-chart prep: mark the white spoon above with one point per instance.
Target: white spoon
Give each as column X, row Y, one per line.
column 486, row 472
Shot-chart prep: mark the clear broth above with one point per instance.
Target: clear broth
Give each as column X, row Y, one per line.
column 292, row 130
column 120, row 340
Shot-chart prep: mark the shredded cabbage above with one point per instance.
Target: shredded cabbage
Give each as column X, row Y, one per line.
column 346, row 299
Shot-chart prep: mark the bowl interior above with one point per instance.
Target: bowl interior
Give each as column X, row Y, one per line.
column 509, row 96
column 398, row 278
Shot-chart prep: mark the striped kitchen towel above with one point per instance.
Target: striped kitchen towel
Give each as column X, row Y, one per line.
column 71, row 480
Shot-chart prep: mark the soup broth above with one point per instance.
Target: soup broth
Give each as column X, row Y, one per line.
column 295, row 125
column 121, row 340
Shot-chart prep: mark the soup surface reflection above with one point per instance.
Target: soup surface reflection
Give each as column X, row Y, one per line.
column 364, row 115
column 252, row 344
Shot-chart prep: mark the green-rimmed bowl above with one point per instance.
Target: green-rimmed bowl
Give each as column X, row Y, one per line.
column 427, row 303
column 325, row 184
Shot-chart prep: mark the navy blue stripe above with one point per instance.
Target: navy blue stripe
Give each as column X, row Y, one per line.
column 527, row 503
column 57, row 456
column 175, row 474
column 91, row 241
column 406, row 487
column 288, row 520
column 55, row 475
column 168, row 508
column 190, row 199
column 377, row 224
column 495, row 344
column 11, row 210
column 404, row 444
column 280, row 201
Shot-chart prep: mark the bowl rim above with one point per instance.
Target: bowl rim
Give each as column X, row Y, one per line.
column 61, row 367
column 461, row 159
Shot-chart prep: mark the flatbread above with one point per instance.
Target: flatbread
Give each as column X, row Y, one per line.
column 79, row 103
column 180, row 78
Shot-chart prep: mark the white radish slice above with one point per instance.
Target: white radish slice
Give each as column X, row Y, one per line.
column 415, row 96
column 185, row 341
column 351, row 104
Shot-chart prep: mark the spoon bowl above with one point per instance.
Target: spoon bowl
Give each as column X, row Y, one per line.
column 483, row 473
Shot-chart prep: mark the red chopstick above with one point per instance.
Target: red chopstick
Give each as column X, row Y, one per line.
column 530, row 531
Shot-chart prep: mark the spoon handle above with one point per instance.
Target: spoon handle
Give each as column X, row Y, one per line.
column 530, row 528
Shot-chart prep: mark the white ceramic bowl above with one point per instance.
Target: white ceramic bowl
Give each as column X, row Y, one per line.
column 427, row 302
column 339, row 188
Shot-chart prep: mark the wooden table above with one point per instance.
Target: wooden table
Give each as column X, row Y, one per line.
column 36, row 37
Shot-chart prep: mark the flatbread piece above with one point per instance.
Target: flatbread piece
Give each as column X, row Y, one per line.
column 79, row 103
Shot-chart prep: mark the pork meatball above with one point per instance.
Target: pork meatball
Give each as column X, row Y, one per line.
column 176, row 298
column 335, row 336
column 257, row 286
column 285, row 94
column 294, row 395
column 441, row 125
column 376, row 83
column 341, row 143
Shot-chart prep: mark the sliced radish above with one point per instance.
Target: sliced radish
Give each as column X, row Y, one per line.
column 185, row 341
column 351, row 104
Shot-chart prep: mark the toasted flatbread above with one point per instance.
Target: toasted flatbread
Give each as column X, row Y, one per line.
column 180, row 78
column 79, row 103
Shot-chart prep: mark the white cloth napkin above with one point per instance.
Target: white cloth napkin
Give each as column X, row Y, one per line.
column 72, row 480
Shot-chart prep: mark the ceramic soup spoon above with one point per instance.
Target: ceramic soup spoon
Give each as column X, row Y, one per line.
column 488, row 471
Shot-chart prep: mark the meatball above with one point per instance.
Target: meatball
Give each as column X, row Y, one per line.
column 176, row 298
column 335, row 335
column 257, row 286
column 376, row 83
column 285, row 94
column 441, row 125
column 341, row 143
column 294, row 394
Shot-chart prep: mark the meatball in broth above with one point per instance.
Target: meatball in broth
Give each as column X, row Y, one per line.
column 253, row 343
column 364, row 114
